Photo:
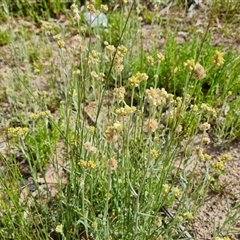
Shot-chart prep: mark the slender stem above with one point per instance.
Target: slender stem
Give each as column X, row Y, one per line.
column 106, row 222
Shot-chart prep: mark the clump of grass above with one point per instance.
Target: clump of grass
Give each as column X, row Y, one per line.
column 40, row 10
column 226, row 9
column 126, row 122
column 4, row 38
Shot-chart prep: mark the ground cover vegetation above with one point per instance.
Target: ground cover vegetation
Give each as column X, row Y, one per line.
column 104, row 137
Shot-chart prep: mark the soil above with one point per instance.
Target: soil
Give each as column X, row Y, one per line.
column 219, row 206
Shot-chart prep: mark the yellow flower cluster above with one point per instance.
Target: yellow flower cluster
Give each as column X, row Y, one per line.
column 166, row 188
column 203, row 156
column 189, row 65
column 80, row 44
column 150, row 60
column 93, row 61
column 154, row 153
column 94, row 58
column 91, row 8
column 36, row 116
column 135, row 80
column 196, row 68
column 59, row 228
column 91, row 129
column 87, row 164
column 204, row 126
column 224, row 238
column 160, row 57
column 217, row 59
column 220, row 164
column 180, row 218
column 60, row 41
column 99, row 77
column 125, row 111
column 17, row 131
column 38, row 94
column 121, row 50
column 206, row 140
column 94, row 225
column 225, row 158
column 118, row 59
column 108, row 195
column 159, row 222
column 188, row 215
column 194, row 108
column 177, row 192
column 104, row 8
column 109, row 47
column 208, row 109
column 112, row 132
column 171, row 113
column 47, row 27
column 156, row 97
column 75, row 11
column 179, row 128
column 118, row 93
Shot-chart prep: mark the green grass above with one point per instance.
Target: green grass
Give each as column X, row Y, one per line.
column 107, row 131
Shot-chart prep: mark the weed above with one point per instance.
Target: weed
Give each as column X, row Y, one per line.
column 108, row 131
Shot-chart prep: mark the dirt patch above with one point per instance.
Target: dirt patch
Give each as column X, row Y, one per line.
column 219, row 206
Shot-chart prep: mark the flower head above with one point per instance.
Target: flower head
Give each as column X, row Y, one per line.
column 176, row 191
column 112, row 132
column 208, row 109
column 87, row 164
column 119, row 93
column 135, row 80
column 206, row 140
column 189, row 65
column 159, row 222
column 125, row 111
column 160, row 57
column 154, row 153
column 166, row 188
column 150, row 126
column 224, row 238
column 150, row 60
column 218, row 166
column 217, row 59
column 188, row 215
column 61, row 43
column 91, row 8
column 17, row 131
column 199, row 72
column 112, row 164
column 75, row 11
column 196, row 68
column 88, row 147
column 204, row 126
column 156, row 97
column 104, row 8
column 59, row 228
